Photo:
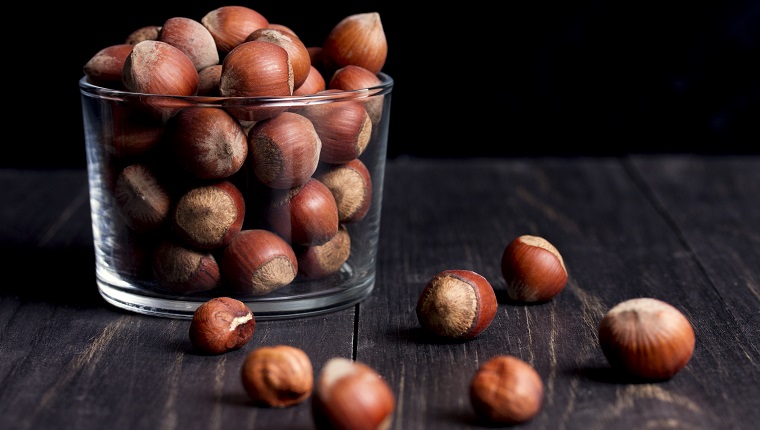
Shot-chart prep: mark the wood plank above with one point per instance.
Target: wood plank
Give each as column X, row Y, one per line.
column 715, row 202
column 617, row 245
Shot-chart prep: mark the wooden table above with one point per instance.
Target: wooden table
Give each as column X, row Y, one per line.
column 681, row 228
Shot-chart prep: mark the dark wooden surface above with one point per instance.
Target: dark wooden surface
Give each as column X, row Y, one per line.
column 681, row 228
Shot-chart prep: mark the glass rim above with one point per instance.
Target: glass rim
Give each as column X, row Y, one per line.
column 385, row 87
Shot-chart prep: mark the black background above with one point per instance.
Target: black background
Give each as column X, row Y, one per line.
column 530, row 78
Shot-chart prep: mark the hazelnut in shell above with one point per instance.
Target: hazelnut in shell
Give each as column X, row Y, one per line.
column 256, row 69
column 357, row 39
column 321, row 261
column 284, row 150
column 141, row 198
column 183, row 270
column 344, row 127
column 231, row 24
column 305, row 215
column 155, row 67
column 351, row 186
column 207, row 142
column 192, row 38
column 105, row 67
column 456, row 304
column 533, row 269
column 646, row 338
column 298, row 55
column 209, row 216
column 351, row 395
column 258, row 262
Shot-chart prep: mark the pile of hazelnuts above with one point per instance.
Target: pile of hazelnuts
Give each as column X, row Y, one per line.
column 644, row 338
column 239, row 195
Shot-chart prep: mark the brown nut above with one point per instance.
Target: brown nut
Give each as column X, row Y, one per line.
column 141, row 198
column 313, row 84
column 351, row 395
column 306, row 215
column 258, row 262
column 299, row 57
column 208, row 142
column 183, row 270
column 230, row 25
column 277, row 376
column 456, row 304
column 284, row 150
column 321, row 261
column 646, row 338
column 351, row 186
column 148, row 32
column 506, row 390
column 256, row 69
column 105, row 67
column 351, row 78
column 357, row 39
column 192, row 38
column 209, row 81
column 155, row 67
column 209, row 216
column 533, row 269
column 220, row 325
column 344, row 127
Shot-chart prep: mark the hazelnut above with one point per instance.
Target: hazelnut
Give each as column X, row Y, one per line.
column 351, row 395
column 208, row 142
column 209, row 78
column 182, row 270
column 298, row 55
column 506, row 390
column 256, row 69
column 313, row 84
column 258, row 261
column 646, row 338
column 533, row 269
column 284, row 150
column 141, row 198
column 220, row 325
column 321, row 261
column 305, row 215
column 351, row 186
column 351, row 78
column 209, row 216
column 148, row 32
column 105, row 67
column 230, row 25
column 155, row 67
column 357, row 39
column 192, row 38
column 457, row 304
column 344, row 127
column 277, row 376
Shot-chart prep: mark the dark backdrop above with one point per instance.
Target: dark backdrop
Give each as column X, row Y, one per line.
column 531, row 78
